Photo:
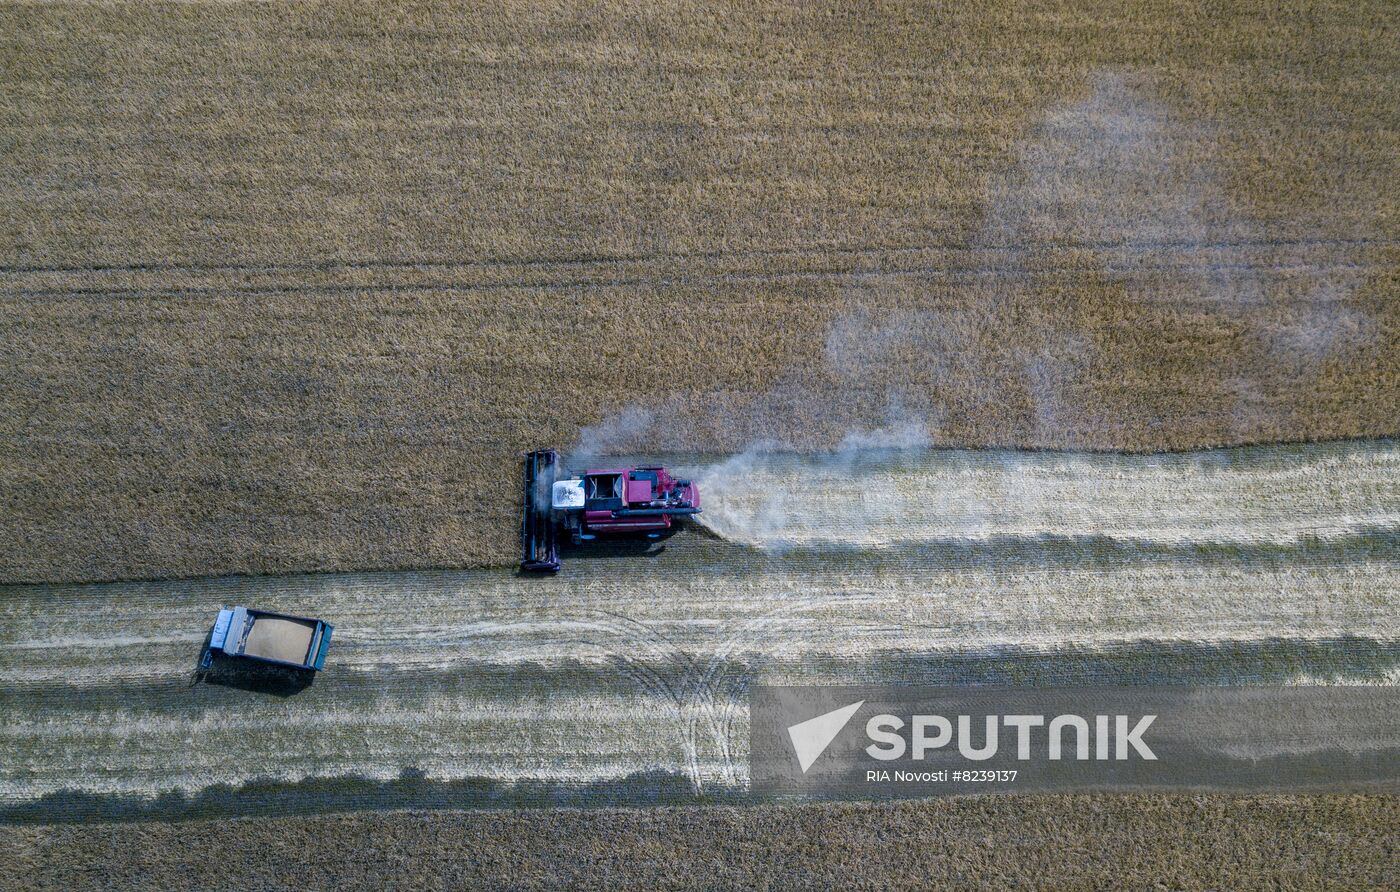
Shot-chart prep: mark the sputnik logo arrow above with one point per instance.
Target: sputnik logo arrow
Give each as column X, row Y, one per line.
column 811, row 738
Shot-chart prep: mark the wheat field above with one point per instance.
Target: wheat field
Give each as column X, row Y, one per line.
column 289, row 287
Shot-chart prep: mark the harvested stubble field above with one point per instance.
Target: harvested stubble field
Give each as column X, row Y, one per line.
column 288, row 287
column 624, row 678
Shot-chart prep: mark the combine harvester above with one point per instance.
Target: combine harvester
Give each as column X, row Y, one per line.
column 612, row 502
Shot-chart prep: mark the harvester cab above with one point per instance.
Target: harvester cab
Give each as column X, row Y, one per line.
column 608, row 502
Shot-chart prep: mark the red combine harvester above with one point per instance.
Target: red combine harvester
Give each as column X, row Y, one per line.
column 611, row 502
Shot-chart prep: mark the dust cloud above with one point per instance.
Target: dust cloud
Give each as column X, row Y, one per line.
column 1115, row 179
column 918, row 497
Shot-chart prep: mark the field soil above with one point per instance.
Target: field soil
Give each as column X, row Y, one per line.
column 288, row 287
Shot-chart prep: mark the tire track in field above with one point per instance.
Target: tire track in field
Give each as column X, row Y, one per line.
column 1129, row 260
column 1125, row 272
column 671, row 257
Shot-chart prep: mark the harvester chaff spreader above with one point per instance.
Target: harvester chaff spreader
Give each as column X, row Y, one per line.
column 609, row 502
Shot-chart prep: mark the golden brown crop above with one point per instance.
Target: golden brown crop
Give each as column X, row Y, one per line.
column 1012, row 842
column 289, row 286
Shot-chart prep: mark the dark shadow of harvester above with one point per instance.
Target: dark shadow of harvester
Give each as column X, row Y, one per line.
column 626, row 549
column 621, row 548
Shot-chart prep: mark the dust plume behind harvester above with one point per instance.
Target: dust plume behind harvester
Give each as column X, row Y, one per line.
column 606, row 502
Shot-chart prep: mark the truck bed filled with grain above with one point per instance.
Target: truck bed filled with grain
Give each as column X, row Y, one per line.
column 274, row 638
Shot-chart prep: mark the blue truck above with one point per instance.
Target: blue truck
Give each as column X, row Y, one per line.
column 289, row 641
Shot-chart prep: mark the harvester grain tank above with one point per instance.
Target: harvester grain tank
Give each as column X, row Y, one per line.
column 594, row 504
